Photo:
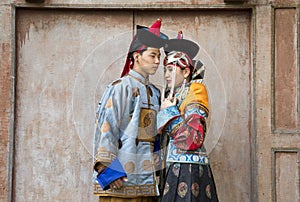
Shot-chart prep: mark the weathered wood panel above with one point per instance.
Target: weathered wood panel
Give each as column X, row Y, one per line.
column 6, row 94
column 225, row 41
column 286, row 176
column 65, row 60
column 277, row 92
column 285, row 70
column 52, row 160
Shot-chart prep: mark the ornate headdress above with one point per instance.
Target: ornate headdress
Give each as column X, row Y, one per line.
column 179, row 53
column 183, row 45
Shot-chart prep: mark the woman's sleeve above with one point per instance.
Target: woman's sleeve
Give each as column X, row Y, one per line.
column 168, row 119
column 190, row 134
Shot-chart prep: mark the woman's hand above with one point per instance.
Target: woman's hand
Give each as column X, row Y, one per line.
column 168, row 102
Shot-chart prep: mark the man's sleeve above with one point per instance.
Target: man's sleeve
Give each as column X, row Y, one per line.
column 106, row 137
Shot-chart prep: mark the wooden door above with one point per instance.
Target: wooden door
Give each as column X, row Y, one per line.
column 277, row 100
column 66, row 58
column 225, row 48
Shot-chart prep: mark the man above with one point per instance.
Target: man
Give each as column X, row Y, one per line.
column 126, row 124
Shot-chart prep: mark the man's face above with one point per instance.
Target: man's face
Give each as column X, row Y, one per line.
column 147, row 63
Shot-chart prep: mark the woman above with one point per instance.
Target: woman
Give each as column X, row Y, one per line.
column 183, row 120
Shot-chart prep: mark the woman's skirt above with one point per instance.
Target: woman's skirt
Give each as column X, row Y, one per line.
column 189, row 182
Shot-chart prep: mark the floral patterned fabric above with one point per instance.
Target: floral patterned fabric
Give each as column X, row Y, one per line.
column 188, row 176
column 189, row 182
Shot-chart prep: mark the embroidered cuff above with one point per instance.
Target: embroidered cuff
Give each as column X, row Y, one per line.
column 111, row 173
column 165, row 116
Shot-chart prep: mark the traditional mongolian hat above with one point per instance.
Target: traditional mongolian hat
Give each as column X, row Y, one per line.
column 179, row 53
column 145, row 37
column 183, row 45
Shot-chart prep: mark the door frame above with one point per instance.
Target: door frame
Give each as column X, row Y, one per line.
column 16, row 6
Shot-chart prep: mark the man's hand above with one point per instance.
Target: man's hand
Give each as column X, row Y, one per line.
column 118, row 184
column 100, row 168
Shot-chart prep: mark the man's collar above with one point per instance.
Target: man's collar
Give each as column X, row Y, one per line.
column 139, row 77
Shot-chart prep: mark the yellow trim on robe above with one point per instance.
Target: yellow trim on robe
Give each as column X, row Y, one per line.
column 197, row 94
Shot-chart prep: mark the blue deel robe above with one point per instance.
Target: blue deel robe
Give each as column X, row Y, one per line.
column 124, row 137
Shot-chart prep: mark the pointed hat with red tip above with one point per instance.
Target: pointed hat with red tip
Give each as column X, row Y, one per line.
column 145, row 37
column 155, row 27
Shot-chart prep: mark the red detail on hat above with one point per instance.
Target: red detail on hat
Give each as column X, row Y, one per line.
column 179, row 35
column 155, row 29
column 127, row 66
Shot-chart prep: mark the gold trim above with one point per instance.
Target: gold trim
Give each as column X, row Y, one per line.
column 105, row 156
column 196, row 105
column 127, row 191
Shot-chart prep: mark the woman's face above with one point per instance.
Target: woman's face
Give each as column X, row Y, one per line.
column 179, row 78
